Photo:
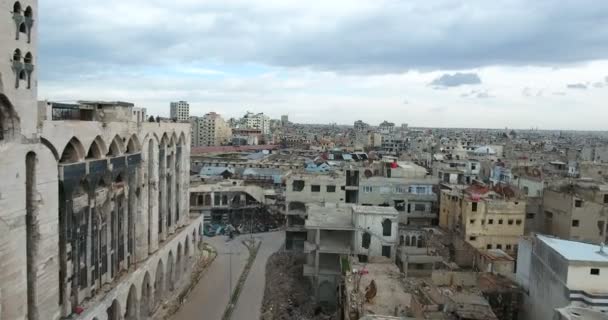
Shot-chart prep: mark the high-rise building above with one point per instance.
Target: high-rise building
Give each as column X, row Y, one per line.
column 256, row 121
column 93, row 199
column 180, row 110
column 210, row 130
column 284, row 120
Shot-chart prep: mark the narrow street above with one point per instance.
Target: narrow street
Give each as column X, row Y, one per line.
column 250, row 301
column 210, row 296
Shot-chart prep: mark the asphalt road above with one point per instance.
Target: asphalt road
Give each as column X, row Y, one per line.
column 250, row 301
column 209, row 297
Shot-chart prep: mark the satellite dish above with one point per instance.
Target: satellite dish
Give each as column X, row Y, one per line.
column 368, row 173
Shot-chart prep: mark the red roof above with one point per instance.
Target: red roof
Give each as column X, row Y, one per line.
column 201, row 150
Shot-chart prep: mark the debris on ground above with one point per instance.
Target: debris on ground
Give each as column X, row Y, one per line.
column 288, row 294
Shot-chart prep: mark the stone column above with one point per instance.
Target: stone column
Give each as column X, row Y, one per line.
column 162, row 195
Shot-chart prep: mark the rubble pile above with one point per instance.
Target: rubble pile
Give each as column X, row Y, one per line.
column 288, row 293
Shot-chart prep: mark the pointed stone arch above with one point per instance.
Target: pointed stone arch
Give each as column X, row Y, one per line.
column 164, row 140
column 133, row 145
column 145, row 300
column 186, row 262
column 72, row 152
column 170, row 274
column 97, row 149
column 159, row 283
column 178, row 263
column 116, row 147
column 9, row 120
column 173, row 139
column 113, row 311
column 132, row 308
column 50, row 146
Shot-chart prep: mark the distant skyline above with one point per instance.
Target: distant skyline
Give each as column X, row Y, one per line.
column 438, row 63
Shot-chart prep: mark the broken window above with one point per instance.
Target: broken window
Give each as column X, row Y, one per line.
column 578, row 203
column 594, row 271
column 298, row 185
column 472, row 238
column 606, row 198
column 386, row 227
column 420, row 207
column 499, row 221
column 548, row 214
column 600, row 225
column 575, row 223
column 472, row 221
column 508, row 247
column 474, row 206
column 499, row 246
column 366, row 239
column 315, row 188
column 529, row 215
column 331, row 188
column 490, row 221
column 518, row 222
column 489, row 246
column 510, row 221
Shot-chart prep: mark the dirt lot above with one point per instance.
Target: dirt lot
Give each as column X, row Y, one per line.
column 288, row 294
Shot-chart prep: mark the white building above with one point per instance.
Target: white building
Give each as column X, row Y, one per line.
column 180, row 110
column 93, row 201
column 557, row 273
column 258, row 121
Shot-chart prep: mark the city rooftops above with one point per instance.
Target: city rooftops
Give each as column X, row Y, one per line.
column 106, row 103
column 576, row 251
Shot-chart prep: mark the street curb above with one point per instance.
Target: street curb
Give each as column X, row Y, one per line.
column 253, row 252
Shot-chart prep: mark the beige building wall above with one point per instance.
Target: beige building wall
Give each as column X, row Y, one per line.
column 486, row 223
column 581, row 216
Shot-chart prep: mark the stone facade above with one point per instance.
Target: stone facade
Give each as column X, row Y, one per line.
column 94, row 214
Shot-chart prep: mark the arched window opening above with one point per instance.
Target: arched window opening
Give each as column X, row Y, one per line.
column 132, row 145
column 72, row 152
column 407, row 241
column 22, row 75
column 28, row 58
column 17, row 8
column 401, row 240
column 420, row 242
column 159, row 281
column 22, row 27
column 17, row 55
column 29, row 13
column 386, row 227
column 170, row 275
column 9, row 121
column 94, row 151
column 131, row 310
column 114, row 150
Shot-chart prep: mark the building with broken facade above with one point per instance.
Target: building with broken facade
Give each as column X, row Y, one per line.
column 576, row 210
column 486, row 218
column 335, row 232
column 407, row 188
column 95, row 218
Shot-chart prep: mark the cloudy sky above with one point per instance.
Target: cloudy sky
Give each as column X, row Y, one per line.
column 457, row 63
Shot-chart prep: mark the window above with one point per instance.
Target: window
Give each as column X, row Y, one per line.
column 606, row 198
column 331, row 188
column 518, row 222
column 298, row 185
column 420, row 190
column 499, row 221
column 401, row 189
column 499, row 246
column 368, row 189
column 419, row 207
column 578, row 203
column 529, row 215
column 386, row 227
column 548, row 214
column 472, row 238
column 472, row 221
column 490, row 221
column 366, row 239
column 510, row 221
column 483, row 221
column 508, row 247
column 315, row 188
column 575, row 223
column 386, row 251
column 474, row 206
column 594, row 271
column 489, row 246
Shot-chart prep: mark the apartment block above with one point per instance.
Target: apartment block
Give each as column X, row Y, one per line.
column 180, row 110
column 576, row 211
column 486, row 218
column 334, row 232
column 210, row 130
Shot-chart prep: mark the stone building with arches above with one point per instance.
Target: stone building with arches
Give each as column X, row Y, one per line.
column 94, row 217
